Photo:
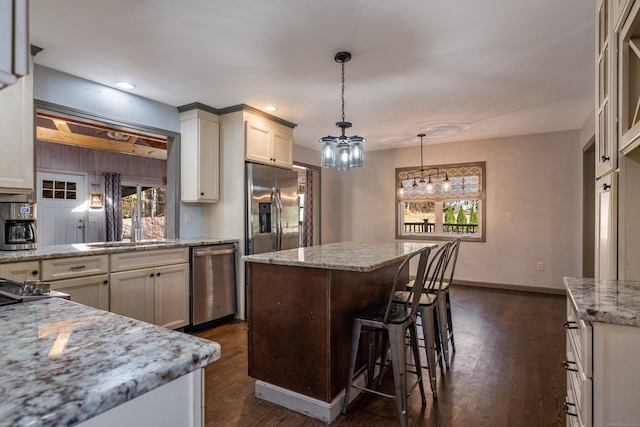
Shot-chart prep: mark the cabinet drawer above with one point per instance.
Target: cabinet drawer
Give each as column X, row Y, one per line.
column 579, row 398
column 20, row 271
column 92, row 290
column 580, row 337
column 64, row 268
column 144, row 259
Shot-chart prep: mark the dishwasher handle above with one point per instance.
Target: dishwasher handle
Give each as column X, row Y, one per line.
column 214, row 251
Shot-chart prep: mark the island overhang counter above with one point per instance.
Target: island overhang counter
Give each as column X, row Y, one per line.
column 67, row 364
column 300, row 309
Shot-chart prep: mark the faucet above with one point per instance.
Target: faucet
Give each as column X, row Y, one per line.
column 134, row 223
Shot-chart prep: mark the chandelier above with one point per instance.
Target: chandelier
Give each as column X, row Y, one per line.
column 348, row 148
column 429, row 186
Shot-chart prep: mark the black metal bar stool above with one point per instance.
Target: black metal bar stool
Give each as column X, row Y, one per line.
column 428, row 311
column 393, row 320
column 444, row 304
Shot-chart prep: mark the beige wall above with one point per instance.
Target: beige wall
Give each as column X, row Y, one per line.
column 537, row 177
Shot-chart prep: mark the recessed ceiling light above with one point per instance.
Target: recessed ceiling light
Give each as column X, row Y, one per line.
column 125, row 85
column 270, row 108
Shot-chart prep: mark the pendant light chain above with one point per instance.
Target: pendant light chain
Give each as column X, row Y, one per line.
column 343, row 92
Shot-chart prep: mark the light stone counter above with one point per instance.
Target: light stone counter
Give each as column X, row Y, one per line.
column 63, row 363
column 347, row 256
column 607, row 301
column 100, row 248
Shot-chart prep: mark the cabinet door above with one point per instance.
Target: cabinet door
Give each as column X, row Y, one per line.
column 209, row 182
column 629, row 60
column 20, row 271
column 606, row 128
column 258, row 141
column 132, row 294
column 92, row 291
column 199, row 156
column 16, row 121
column 283, row 150
column 606, row 226
column 171, row 295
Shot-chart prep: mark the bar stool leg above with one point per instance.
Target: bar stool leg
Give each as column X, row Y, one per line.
column 399, row 363
column 442, row 320
column 415, row 345
column 355, row 340
column 450, row 323
column 429, row 334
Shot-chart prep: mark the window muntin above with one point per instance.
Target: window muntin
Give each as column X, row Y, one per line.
column 436, row 214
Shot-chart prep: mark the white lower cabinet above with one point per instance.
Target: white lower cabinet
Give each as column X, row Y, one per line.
column 158, row 295
column 603, row 382
column 92, row 290
column 20, row 271
column 85, row 279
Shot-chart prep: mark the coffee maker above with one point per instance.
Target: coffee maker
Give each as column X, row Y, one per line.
column 18, row 231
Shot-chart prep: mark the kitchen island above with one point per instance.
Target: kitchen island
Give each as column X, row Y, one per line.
column 66, row 364
column 301, row 306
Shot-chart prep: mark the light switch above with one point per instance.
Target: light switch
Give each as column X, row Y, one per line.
column 509, row 216
column 187, row 218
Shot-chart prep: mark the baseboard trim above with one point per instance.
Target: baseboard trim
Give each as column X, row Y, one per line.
column 306, row 405
column 510, row 287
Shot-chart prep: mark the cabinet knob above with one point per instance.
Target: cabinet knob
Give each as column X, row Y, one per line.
column 151, row 275
column 570, row 325
column 202, row 194
column 34, row 272
column 567, row 366
column 604, row 158
column 568, row 407
column 605, row 187
column 157, row 274
column 105, row 282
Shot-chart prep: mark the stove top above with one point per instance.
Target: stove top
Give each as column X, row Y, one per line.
column 12, row 292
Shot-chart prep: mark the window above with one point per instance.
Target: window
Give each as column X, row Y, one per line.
column 441, row 202
column 143, row 209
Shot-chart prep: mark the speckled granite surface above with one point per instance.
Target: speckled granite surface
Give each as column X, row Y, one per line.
column 606, row 301
column 82, row 249
column 341, row 256
column 63, row 363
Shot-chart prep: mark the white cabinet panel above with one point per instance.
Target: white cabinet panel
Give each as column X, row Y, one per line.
column 606, row 227
column 20, row 271
column 200, row 156
column 92, row 290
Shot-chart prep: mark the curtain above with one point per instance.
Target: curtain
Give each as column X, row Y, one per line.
column 113, row 206
column 307, row 220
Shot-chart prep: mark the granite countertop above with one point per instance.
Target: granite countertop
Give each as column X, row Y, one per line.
column 101, row 248
column 348, row 256
column 63, row 363
column 606, row 301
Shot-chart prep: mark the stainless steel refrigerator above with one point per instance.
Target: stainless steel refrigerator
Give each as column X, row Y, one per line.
column 272, row 209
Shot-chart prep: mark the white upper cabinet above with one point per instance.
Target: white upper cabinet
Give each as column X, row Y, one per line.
column 266, row 143
column 17, row 163
column 14, row 41
column 200, row 156
column 629, row 60
column 606, row 125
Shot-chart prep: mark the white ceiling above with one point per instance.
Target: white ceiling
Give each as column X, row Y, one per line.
column 457, row 70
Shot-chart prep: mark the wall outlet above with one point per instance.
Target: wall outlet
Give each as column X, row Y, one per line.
column 187, row 218
column 509, row 216
column 540, row 266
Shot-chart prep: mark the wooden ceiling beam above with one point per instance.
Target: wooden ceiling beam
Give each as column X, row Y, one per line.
column 63, row 137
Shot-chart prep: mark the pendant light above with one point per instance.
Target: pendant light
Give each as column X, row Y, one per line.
column 346, row 150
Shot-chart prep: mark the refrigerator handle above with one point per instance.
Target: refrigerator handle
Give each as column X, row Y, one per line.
column 275, row 213
column 279, row 207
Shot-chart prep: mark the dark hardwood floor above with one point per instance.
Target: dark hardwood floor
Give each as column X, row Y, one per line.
column 506, row 371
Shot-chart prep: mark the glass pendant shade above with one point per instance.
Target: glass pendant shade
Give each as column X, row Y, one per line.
column 357, row 154
column 430, row 186
column 344, row 156
column 401, row 190
column 446, row 184
column 328, row 152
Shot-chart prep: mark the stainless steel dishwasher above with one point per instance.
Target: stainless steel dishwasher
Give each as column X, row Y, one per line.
column 213, row 283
